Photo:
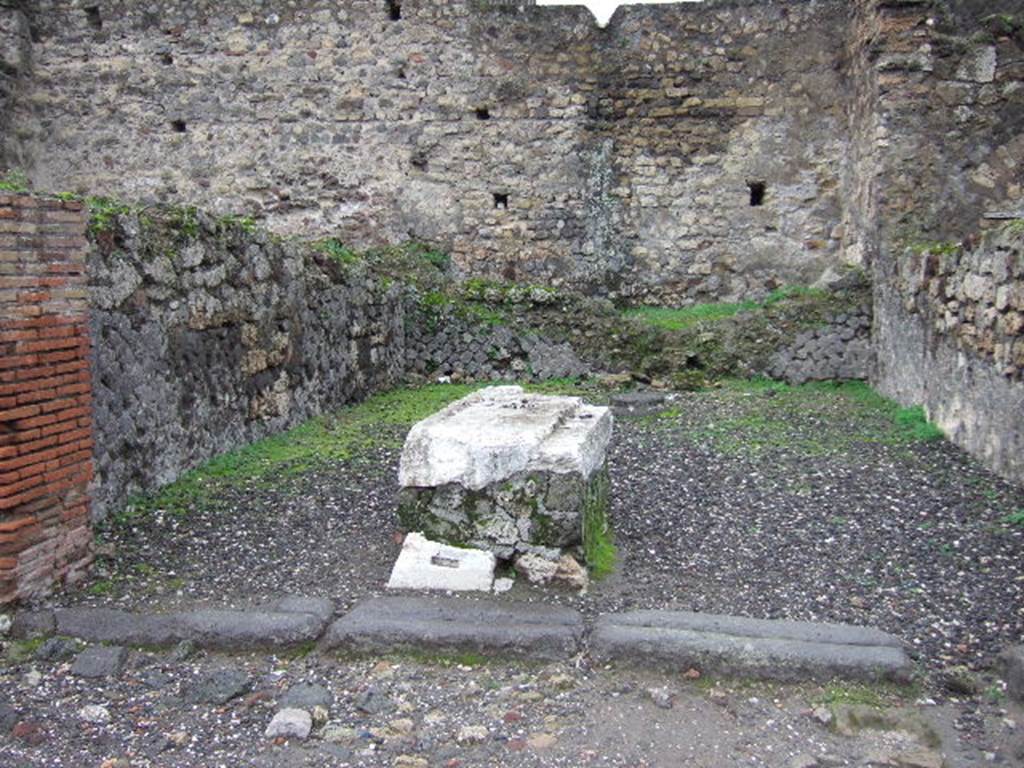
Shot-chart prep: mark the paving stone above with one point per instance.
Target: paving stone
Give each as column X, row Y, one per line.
column 454, row 625
column 373, row 702
column 731, row 646
column 214, row 629
column 320, row 607
column 249, row 629
column 29, row 624
column 100, row 661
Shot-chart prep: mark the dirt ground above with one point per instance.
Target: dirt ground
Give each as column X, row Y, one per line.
column 816, row 503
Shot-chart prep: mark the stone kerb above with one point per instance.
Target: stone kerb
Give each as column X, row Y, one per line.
column 506, row 471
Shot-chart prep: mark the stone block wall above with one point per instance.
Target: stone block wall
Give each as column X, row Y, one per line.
column 959, row 346
column 211, row 335
column 840, row 350
column 15, row 72
column 726, row 142
column 941, row 169
column 524, row 140
column 46, row 442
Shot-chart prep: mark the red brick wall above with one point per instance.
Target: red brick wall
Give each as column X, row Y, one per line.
column 45, row 391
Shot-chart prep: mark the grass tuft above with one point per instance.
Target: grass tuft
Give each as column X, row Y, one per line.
column 771, row 420
column 15, row 181
column 338, row 251
column 914, row 423
column 678, row 319
column 686, row 317
column 1015, row 519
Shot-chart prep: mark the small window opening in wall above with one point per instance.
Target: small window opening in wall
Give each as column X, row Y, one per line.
column 757, row 190
column 92, row 14
column 501, row 200
column 394, row 10
column 483, row 113
column 179, row 126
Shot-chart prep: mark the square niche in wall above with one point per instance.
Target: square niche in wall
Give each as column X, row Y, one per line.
column 758, row 189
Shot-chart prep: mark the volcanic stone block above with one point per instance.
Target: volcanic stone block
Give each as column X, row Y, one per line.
column 741, row 647
column 504, row 470
column 506, row 629
column 1013, row 664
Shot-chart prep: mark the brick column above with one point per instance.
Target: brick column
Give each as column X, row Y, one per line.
column 45, row 391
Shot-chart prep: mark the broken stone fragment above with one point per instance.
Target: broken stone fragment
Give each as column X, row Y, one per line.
column 425, row 564
column 564, row 571
column 290, row 723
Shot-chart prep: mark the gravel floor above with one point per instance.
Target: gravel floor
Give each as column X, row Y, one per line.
column 790, row 504
column 208, row 711
column 765, row 503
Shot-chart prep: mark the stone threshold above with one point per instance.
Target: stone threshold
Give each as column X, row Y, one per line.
column 726, row 646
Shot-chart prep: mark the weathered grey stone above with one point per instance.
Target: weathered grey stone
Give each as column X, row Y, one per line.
column 218, row 687
column 8, row 718
column 27, row 625
column 107, row 625
column 373, row 702
column 454, row 625
column 100, row 661
column 320, row 607
column 56, row 649
column 637, row 403
column 290, row 723
column 306, row 696
column 206, row 628
column 425, row 564
column 724, row 645
column 249, row 629
column 502, row 470
column 1013, row 666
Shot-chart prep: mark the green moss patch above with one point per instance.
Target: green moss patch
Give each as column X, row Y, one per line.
column 677, row 319
column 348, row 434
column 598, row 542
column 14, row 181
column 760, row 415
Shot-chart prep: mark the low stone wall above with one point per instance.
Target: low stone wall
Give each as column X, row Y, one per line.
column 45, row 424
column 840, row 350
column 948, row 335
column 466, row 349
column 210, row 335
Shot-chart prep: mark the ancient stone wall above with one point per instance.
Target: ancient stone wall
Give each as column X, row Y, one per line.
column 687, row 152
column 948, row 137
column 210, row 335
column 15, row 71
column 45, row 420
column 726, row 139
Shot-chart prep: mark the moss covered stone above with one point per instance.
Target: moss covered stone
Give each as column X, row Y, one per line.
column 530, row 509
